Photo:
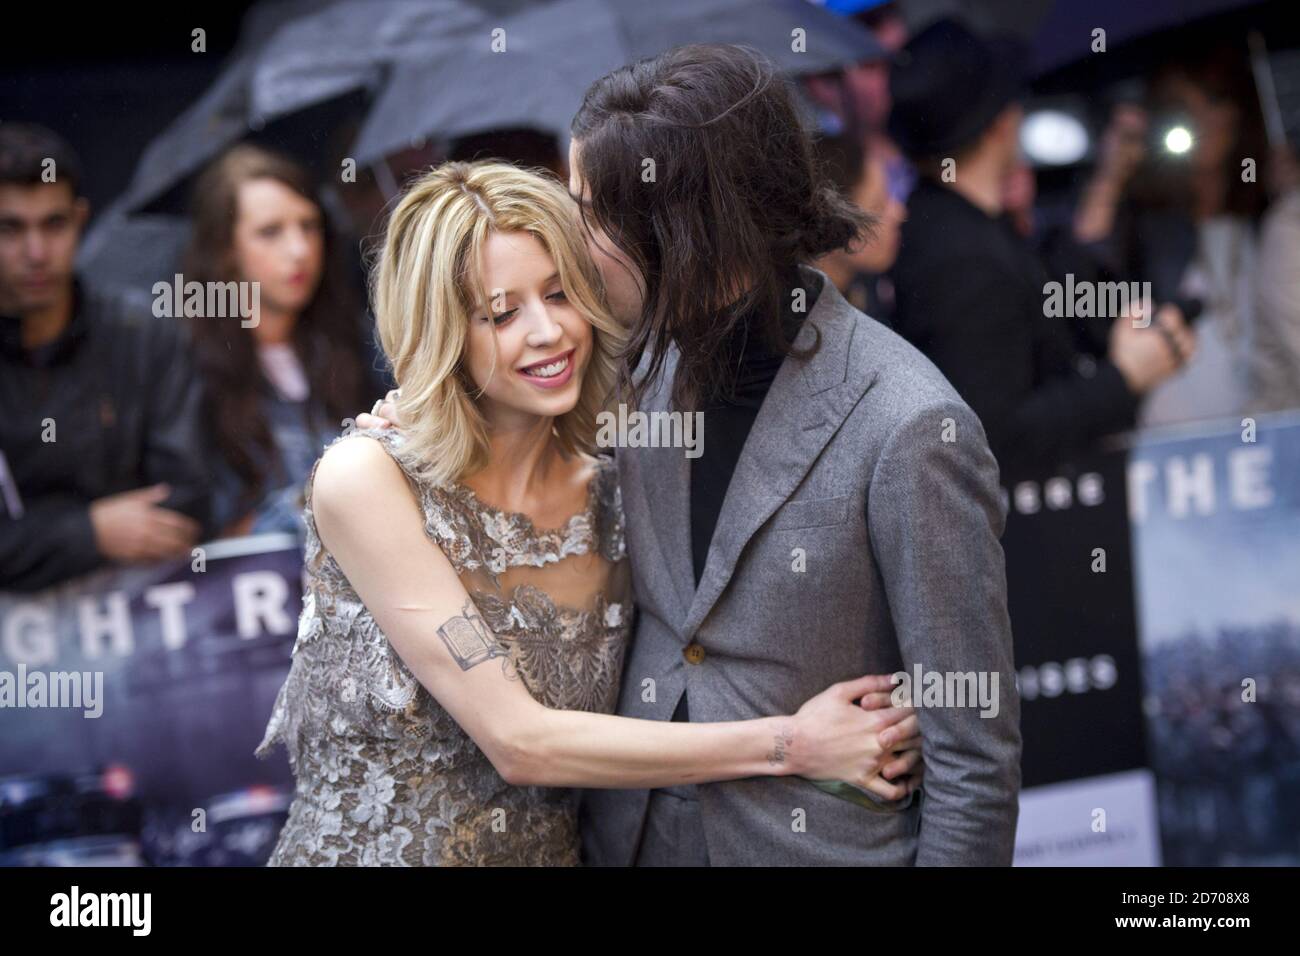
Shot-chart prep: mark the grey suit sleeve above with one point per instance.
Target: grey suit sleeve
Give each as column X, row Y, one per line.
column 935, row 519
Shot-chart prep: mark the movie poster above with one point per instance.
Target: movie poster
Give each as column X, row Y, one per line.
column 133, row 701
column 1216, row 535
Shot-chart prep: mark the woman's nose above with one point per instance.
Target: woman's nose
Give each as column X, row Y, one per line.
column 298, row 244
column 543, row 329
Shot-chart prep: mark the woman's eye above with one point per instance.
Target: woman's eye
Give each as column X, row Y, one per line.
column 268, row 232
column 558, row 296
column 504, row 317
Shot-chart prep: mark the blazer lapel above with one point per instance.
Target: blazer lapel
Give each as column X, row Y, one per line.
column 808, row 401
column 666, row 488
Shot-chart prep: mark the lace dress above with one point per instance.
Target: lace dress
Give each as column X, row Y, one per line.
column 383, row 774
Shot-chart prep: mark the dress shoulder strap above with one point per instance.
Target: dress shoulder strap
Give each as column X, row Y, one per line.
column 449, row 526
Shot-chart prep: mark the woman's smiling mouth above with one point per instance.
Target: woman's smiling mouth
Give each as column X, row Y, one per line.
column 550, row 373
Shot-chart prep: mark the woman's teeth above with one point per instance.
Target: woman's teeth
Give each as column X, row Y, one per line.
column 548, row 371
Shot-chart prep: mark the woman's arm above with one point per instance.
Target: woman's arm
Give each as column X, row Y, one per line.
column 1123, row 147
column 368, row 519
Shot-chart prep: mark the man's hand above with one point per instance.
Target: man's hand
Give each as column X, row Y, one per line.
column 1148, row 356
column 383, row 414
column 130, row 527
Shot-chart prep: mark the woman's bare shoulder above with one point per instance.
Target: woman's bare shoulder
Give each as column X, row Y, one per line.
column 358, row 469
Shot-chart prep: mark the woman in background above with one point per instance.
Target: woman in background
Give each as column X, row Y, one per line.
column 860, row 173
column 1188, row 223
column 276, row 392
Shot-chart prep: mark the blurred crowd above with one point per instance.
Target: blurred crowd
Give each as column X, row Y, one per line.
column 1232, row 807
column 126, row 436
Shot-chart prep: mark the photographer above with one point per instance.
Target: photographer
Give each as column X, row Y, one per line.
column 1176, row 201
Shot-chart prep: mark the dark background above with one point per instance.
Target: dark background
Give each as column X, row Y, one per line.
column 108, row 77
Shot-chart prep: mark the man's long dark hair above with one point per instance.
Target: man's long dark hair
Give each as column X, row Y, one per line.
column 732, row 202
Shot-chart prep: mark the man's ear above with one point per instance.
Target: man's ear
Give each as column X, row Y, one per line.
column 826, row 90
column 81, row 212
column 1009, row 121
column 1003, row 129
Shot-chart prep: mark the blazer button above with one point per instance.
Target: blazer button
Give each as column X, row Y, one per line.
column 693, row 653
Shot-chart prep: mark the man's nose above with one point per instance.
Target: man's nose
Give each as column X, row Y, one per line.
column 36, row 249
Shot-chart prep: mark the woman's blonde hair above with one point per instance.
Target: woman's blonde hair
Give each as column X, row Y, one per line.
column 426, row 288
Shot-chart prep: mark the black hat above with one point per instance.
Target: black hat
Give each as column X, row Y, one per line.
column 948, row 85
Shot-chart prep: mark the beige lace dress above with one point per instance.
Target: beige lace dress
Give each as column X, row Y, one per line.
column 383, row 774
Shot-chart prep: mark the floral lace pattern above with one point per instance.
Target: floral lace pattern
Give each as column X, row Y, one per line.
column 383, row 774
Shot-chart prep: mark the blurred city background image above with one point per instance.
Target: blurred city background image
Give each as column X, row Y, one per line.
column 1148, row 143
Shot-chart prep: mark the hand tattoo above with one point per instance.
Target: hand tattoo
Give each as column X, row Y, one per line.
column 471, row 642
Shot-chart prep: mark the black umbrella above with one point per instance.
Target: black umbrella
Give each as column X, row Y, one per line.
column 467, row 87
column 132, row 252
column 346, row 45
column 1021, row 18
column 1066, row 33
column 555, row 51
column 214, row 121
column 266, row 93
column 143, row 231
column 826, row 41
column 293, row 58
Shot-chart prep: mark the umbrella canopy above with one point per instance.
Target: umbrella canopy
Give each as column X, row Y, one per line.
column 1020, row 18
column 294, row 57
column 554, row 52
column 217, row 119
column 133, row 252
column 1065, row 35
column 346, row 45
column 1060, row 32
column 830, row 40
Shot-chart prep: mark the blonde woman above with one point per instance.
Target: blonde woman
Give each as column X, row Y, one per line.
column 467, row 600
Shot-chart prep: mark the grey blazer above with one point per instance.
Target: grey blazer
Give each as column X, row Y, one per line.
column 866, row 469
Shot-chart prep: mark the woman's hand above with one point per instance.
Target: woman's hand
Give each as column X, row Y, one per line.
column 903, row 740
column 1123, row 144
column 383, row 414
column 837, row 736
column 1123, row 147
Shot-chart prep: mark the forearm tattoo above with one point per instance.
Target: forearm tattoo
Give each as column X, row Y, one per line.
column 471, row 642
column 781, row 746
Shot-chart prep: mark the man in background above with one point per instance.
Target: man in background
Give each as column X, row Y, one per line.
column 101, row 456
column 970, row 291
